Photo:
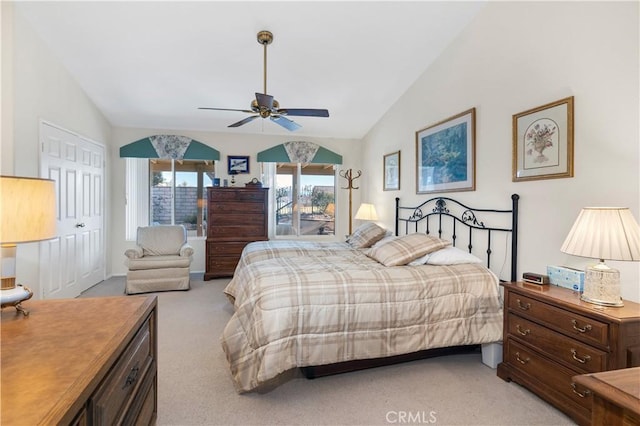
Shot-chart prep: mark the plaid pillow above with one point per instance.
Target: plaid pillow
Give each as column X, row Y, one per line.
column 366, row 235
column 403, row 250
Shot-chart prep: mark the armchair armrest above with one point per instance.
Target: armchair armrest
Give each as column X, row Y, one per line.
column 186, row 250
column 134, row 253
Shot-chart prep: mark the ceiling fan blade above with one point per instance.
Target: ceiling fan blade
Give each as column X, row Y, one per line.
column 285, row 122
column 265, row 101
column 301, row 112
column 229, row 109
column 245, row 121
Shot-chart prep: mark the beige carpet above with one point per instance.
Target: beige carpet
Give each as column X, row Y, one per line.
column 195, row 387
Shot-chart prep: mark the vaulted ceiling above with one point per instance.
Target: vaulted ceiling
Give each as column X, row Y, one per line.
column 152, row 64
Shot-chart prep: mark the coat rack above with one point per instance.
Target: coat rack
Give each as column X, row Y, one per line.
column 348, row 175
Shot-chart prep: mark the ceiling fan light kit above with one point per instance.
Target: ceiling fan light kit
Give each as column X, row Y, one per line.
column 265, row 106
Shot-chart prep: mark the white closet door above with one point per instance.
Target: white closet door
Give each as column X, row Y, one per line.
column 74, row 261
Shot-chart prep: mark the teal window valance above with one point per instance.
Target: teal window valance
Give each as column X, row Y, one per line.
column 169, row 147
column 299, row 152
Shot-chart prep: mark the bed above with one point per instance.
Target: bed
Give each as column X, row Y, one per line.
column 342, row 305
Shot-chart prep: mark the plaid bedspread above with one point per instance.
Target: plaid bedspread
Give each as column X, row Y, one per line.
column 304, row 306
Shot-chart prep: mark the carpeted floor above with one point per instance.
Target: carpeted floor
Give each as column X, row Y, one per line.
column 195, row 387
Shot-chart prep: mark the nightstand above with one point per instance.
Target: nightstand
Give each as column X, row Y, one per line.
column 550, row 335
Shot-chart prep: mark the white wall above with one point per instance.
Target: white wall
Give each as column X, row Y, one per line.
column 515, row 56
column 227, row 144
column 512, row 57
column 42, row 90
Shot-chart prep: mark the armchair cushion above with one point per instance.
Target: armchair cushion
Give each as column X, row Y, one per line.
column 158, row 262
column 161, row 240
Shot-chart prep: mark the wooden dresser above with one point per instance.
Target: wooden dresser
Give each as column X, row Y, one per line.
column 236, row 217
column 550, row 335
column 616, row 396
column 80, row 362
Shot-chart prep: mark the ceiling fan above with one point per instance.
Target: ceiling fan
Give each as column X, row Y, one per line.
column 265, row 105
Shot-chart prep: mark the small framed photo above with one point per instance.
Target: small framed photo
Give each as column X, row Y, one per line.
column 446, row 155
column 237, row 164
column 543, row 142
column 391, row 164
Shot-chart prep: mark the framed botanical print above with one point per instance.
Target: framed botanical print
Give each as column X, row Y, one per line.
column 446, row 155
column 543, row 142
column 391, row 171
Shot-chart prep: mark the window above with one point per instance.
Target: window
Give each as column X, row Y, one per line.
column 304, row 199
column 150, row 194
column 178, row 195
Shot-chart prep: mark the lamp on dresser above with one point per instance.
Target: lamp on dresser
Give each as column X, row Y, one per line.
column 28, row 214
column 604, row 233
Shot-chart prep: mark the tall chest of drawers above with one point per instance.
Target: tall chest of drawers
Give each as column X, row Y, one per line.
column 236, row 217
column 550, row 335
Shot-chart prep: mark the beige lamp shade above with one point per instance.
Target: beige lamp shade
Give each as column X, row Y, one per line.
column 605, row 233
column 366, row 212
column 27, row 209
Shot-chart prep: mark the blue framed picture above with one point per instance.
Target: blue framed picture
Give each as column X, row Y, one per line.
column 446, row 155
column 237, row 164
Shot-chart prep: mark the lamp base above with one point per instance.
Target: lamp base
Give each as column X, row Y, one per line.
column 14, row 297
column 602, row 286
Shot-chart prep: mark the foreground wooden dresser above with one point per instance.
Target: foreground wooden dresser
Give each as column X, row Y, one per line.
column 80, row 362
column 550, row 335
column 616, row 396
column 236, row 217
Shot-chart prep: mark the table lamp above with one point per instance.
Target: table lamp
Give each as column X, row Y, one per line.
column 27, row 214
column 366, row 212
column 602, row 233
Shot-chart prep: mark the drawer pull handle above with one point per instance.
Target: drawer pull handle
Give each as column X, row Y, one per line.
column 524, row 307
column 581, row 330
column 520, row 360
column 521, row 331
column 580, row 394
column 582, row 360
column 132, row 377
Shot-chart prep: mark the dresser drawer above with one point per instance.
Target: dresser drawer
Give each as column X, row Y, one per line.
column 230, row 194
column 240, row 219
column 580, row 327
column 220, row 248
column 237, row 208
column 550, row 374
column 573, row 353
column 248, row 231
column 124, row 378
column 223, row 264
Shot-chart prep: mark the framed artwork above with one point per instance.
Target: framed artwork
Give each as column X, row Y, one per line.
column 391, row 170
column 543, row 142
column 446, row 155
column 237, row 164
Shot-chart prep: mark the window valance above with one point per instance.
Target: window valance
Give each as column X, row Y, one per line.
column 299, row 152
column 169, row 147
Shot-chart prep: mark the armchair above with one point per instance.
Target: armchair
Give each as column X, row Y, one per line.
column 160, row 261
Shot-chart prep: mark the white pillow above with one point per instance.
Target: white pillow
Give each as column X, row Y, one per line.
column 446, row 256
